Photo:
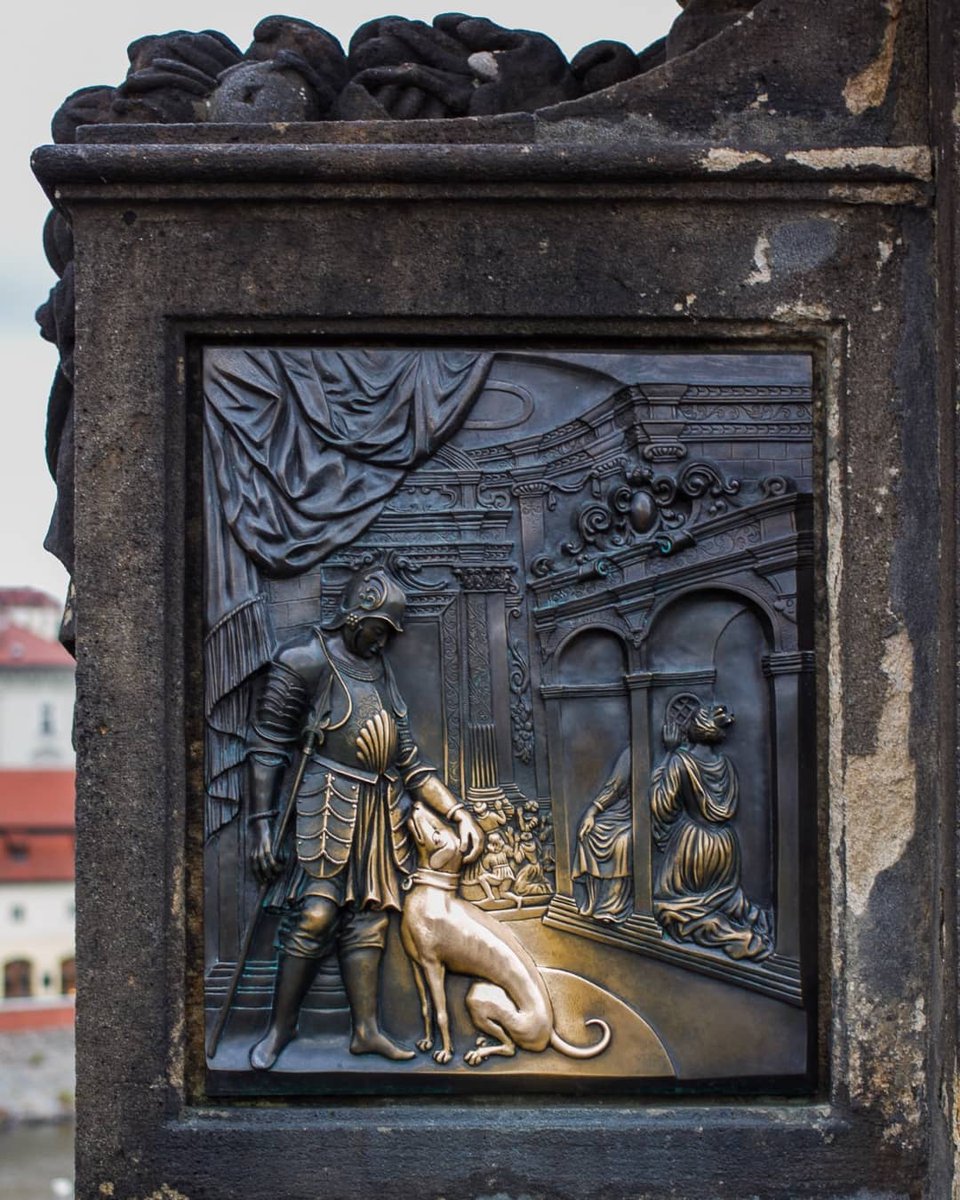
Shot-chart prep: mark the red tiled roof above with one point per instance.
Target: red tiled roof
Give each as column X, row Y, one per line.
column 21, row 648
column 36, row 857
column 26, row 597
column 36, row 800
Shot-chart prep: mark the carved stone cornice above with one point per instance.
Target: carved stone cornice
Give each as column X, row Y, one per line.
column 570, row 691
column 707, row 675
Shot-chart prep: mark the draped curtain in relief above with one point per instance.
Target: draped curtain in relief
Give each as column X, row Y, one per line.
column 302, row 449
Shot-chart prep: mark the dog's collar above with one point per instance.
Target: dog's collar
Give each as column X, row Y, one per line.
column 438, row 879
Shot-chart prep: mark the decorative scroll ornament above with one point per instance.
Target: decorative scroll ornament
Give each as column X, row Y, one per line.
column 424, row 496
column 776, row 485
column 403, row 567
column 494, row 494
column 521, row 713
column 656, row 510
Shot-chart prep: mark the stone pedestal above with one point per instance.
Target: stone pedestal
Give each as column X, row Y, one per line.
column 772, row 193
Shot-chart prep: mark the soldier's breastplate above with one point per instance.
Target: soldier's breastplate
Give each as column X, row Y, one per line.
column 368, row 739
column 343, row 776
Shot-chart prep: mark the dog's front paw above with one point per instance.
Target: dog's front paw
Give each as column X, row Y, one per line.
column 425, row 1044
column 473, row 1058
column 442, row 1056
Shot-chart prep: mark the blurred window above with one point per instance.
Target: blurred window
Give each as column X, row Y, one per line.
column 17, row 979
column 68, row 977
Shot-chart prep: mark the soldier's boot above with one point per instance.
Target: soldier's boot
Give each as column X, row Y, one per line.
column 294, row 977
column 361, row 978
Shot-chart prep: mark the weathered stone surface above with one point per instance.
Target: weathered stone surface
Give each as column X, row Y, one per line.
column 88, row 106
column 321, row 51
column 602, row 64
column 702, row 20
column 171, row 74
column 263, row 91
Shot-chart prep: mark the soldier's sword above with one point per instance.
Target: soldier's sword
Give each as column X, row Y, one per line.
column 311, row 738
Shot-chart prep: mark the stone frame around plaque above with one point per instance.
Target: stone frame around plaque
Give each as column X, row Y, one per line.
column 690, row 208
column 660, row 481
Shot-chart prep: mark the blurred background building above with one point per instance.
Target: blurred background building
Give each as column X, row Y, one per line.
column 36, row 815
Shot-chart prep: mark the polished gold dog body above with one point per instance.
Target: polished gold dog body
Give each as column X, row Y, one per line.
column 508, row 1002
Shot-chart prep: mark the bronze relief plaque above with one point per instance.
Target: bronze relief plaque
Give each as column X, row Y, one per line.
column 509, row 719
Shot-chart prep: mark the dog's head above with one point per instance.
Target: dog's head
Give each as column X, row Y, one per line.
column 438, row 847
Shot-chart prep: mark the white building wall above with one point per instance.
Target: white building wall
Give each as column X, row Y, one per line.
column 41, row 619
column 36, row 718
column 37, row 924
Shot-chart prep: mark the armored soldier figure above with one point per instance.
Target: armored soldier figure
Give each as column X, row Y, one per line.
column 352, row 845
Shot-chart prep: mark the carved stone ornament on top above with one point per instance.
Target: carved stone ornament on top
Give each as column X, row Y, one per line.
column 393, row 68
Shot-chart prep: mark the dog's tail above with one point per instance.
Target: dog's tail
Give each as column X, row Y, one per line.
column 557, row 1042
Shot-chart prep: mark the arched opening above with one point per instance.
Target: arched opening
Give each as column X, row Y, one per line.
column 590, row 728
column 17, row 979
column 595, row 722
column 592, row 655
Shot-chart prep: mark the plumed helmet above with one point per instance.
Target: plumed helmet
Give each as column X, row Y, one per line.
column 372, row 592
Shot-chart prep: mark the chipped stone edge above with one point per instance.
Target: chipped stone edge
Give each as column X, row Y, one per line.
column 908, row 160
column 869, row 87
column 836, row 810
column 726, row 158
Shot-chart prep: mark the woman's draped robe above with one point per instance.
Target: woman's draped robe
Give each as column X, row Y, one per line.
column 604, row 863
column 697, row 894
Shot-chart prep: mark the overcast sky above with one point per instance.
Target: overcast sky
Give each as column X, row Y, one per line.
column 63, row 45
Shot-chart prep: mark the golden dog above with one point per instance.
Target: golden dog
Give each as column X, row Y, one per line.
column 508, row 1002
